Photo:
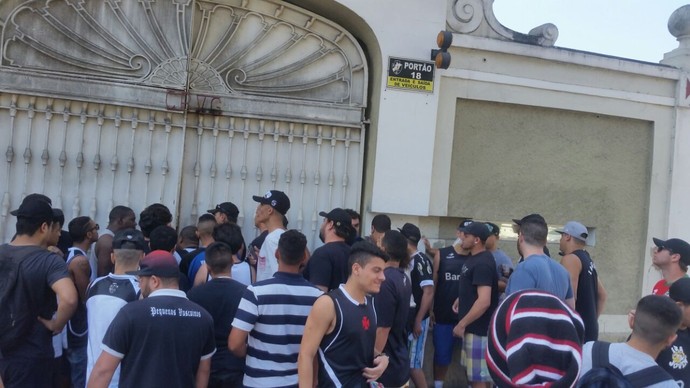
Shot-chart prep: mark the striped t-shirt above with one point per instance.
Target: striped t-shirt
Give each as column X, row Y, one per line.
column 273, row 312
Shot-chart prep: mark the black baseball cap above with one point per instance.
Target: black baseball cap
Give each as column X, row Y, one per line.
column 129, row 239
column 158, row 263
column 411, row 232
column 532, row 218
column 338, row 216
column 675, row 245
column 227, row 208
column 680, row 290
column 463, row 224
column 477, row 229
column 276, row 199
column 35, row 206
column 493, row 228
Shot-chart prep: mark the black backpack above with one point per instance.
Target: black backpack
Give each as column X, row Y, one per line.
column 17, row 315
column 603, row 374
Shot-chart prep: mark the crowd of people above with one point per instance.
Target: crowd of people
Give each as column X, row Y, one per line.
column 151, row 306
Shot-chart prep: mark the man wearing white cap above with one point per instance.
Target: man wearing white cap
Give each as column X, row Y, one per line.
column 590, row 295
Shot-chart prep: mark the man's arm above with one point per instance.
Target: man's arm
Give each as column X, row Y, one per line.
column 201, row 275
column 381, row 339
column 104, row 247
column 237, row 342
column 573, row 264
column 67, row 304
column 103, row 370
column 480, row 306
column 203, row 372
column 320, row 322
column 601, row 297
column 80, row 270
column 424, row 307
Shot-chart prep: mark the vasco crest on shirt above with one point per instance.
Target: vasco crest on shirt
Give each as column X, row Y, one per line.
column 679, row 359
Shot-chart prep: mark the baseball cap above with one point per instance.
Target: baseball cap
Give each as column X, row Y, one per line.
column 36, row 207
column 576, row 230
column 493, row 228
column 534, row 217
column 463, row 224
column 675, row 245
column 228, row 208
column 524, row 342
column 129, row 239
column 680, row 290
column 411, row 232
column 276, row 199
column 477, row 229
column 158, row 263
column 339, row 216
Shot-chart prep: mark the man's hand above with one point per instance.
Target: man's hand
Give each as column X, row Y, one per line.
column 51, row 325
column 459, row 330
column 417, row 330
column 380, row 365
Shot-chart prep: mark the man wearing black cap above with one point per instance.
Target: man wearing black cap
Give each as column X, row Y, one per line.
column 327, row 267
column 674, row 359
column 108, row 294
column 477, row 300
column 672, row 257
column 26, row 350
column 144, row 336
column 271, row 211
column 538, row 270
column 225, row 212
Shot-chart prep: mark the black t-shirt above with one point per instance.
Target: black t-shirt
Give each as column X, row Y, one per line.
column 220, row 297
column 39, row 271
column 392, row 308
column 161, row 340
column 478, row 270
column 421, row 275
column 327, row 266
column 447, row 283
column 674, row 359
column 587, row 295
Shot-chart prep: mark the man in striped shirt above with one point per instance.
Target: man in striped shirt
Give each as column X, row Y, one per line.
column 270, row 319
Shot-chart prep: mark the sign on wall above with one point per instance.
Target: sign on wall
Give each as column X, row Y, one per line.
column 410, row 74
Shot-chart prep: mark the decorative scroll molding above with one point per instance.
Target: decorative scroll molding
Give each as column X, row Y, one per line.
column 216, row 47
column 468, row 16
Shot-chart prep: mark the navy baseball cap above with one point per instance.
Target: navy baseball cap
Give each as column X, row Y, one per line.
column 276, row 199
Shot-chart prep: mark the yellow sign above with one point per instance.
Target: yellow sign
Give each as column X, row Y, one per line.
column 407, row 83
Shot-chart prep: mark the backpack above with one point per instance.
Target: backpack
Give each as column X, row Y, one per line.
column 603, row 374
column 17, row 315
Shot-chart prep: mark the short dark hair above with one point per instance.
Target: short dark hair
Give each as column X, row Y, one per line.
column 29, row 226
column 292, row 245
column 154, row 216
column 78, row 228
column 119, row 212
column 353, row 214
column 163, row 238
column 534, row 233
column 188, row 233
column 230, row 234
column 656, row 319
column 206, row 217
column 381, row 223
column 395, row 245
column 362, row 252
column 58, row 217
column 218, row 257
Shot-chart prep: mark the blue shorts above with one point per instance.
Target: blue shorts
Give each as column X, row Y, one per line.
column 416, row 346
column 444, row 343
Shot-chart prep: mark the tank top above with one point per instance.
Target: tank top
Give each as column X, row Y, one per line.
column 350, row 347
column 76, row 328
column 447, row 284
column 587, row 295
column 242, row 273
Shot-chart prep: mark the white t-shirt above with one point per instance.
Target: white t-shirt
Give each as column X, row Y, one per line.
column 242, row 273
column 267, row 263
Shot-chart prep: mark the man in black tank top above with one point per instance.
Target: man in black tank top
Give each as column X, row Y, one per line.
column 341, row 327
column 589, row 292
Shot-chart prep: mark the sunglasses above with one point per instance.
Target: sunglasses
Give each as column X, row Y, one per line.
column 661, row 248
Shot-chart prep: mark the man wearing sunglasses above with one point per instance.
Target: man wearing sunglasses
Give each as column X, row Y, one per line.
column 672, row 257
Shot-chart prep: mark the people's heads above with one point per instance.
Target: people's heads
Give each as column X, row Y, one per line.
column 292, row 247
column 129, row 239
column 272, row 204
column 656, row 320
column 219, row 258
column 526, row 347
column 204, row 229
column 230, row 234
column 157, row 270
column 412, row 234
column 573, row 235
column 460, row 231
column 366, row 264
column 188, row 237
column 56, row 227
column 163, row 238
column 673, row 251
column 121, row 217
column 680, row 293
column 356, row 219
column 336, row 223
column 494, row 235
column 394, row 244
column 205, row 217
column 474, row 234
column 35, row 217
column 380, row 224
column 82, row 229
column 532, row 230
column 154, row 216
column 225, row 212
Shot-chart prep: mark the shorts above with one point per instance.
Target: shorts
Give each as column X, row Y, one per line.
column 416, row 346
column 473, row 349
column 444, row 343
